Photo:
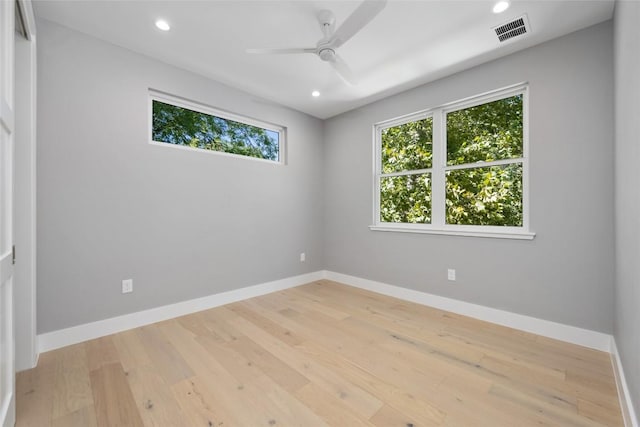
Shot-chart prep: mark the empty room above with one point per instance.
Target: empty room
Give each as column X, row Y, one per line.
column 399, row 213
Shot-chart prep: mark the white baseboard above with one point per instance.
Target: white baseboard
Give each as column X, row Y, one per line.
column 626, row 404
column 559, row 331
column 584, row 337
column 76, row 334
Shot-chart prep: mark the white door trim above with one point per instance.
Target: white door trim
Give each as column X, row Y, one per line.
column 7, row 134
column 25, row 192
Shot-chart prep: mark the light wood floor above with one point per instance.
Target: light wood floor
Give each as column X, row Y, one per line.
column 320, row 354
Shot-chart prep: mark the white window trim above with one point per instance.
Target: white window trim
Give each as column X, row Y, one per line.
column 439, row 167
column 155, row 95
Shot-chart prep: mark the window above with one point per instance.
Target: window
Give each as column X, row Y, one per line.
column 190, row 125
column 456, row 169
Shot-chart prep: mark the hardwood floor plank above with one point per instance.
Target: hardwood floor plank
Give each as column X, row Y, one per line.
column 217, row 322
column 156, row 403
column 386, row 390
column 114, row 403
column 517, row 377
column 305, row 301
column 101, row 352
column 200, row 407
column 387, row 416
column 277, row 370
column 320, row 354
column 131, row 351
column 268, row 325
column 72, row 387
column 194, row 323
column 329, row 408
column 600, row 412
column 235, row 385
column 291, row 412
column 361, row 401
column 84, row 417
column 164, row 356
column 464, row 397
column 213, row 393
column 34, row 392
column 537, row 411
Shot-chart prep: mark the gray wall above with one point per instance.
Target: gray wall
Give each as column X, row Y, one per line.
column 566, row 273
column 185, row 224
column 627, row 193
column 182, row 224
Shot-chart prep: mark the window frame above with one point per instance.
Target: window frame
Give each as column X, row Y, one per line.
column 439, row 169
column 177, row 101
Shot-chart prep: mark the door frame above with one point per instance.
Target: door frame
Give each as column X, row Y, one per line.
column 7, row 129
column 26, row 350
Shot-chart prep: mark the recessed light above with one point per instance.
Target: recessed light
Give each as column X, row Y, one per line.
column 501, row 6
column 315, row 94
column 163, row 25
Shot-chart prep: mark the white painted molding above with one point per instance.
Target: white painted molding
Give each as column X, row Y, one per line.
column 626, row 404
column 26, row 352
column 584, row 337
column 76, row 334
column 592, row 339
column 73, row 335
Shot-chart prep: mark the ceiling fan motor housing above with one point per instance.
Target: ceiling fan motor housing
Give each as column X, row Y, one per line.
column 327, row 54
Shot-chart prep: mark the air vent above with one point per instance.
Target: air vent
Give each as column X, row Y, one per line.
column 515, row 28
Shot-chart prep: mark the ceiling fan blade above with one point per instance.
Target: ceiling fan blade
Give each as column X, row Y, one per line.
column 343, row 70
column 282, row 51
column 367, row 10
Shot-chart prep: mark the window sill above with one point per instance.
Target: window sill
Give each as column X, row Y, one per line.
column 517, row 235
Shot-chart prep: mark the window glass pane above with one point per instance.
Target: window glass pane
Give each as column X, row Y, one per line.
column 406, row 198
column 485, row 196
column 181, row 126
column 487, row 132
column 408, row 146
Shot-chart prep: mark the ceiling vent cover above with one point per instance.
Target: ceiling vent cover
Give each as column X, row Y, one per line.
column 515, row 28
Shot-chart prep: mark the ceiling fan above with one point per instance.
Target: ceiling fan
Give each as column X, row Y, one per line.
column 333, row 38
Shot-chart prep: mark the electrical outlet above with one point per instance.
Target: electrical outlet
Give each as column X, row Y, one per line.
column 303, row 257
column 451, row 274
column 127, row 286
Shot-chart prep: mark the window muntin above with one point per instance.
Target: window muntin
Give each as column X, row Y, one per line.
column 484, row 134
column 477, row 176
column 191, row 125
column 406, row 157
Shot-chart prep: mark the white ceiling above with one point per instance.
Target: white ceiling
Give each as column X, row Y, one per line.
column 409, row 43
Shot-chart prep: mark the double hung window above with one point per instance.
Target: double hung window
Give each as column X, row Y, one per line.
column 461, row 168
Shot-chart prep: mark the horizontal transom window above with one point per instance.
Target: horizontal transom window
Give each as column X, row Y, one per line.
column 191, row 125
column 460, row 168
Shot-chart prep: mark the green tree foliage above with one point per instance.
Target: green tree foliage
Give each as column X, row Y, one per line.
column 485, row 196
column 406, row 198
column 181, row 126
column 486, row 132
column 476, row 194
column 408, row 146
